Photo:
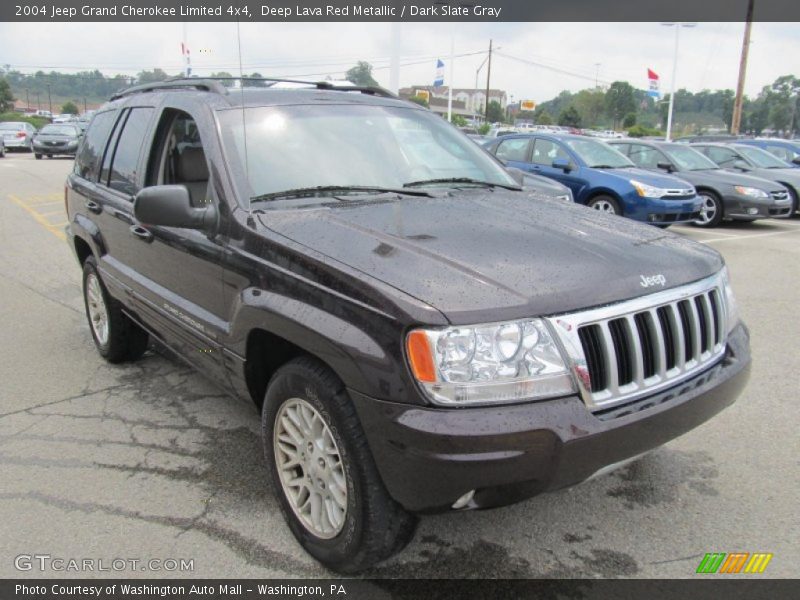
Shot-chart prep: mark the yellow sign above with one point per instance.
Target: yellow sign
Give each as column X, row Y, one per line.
column 527, row 105
column 423, row 94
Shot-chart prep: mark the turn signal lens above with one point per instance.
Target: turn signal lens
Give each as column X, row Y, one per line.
column 420, row 356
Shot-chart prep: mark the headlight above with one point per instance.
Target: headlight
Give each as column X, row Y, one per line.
column 731, row 307
column 751, row 192
column 647, row 191
column 486, row 364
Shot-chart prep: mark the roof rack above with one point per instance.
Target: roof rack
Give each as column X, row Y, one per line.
column 215, row 85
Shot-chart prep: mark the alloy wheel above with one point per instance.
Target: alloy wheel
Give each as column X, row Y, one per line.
column 310, row 468
column 98, row 311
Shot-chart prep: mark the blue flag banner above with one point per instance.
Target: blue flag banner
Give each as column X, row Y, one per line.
column 439, row 80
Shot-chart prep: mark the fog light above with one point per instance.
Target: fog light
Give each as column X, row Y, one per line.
column 464, row 500
column 752, row 211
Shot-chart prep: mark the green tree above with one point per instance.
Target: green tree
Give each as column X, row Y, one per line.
column 629, row 120
column 6, row 97
column 495, row 112
column 619, row 101
column 458, row 121
column 151, row 76
column 69, row 108
column 569, row 117
column 543, row 118
column 361, row 74
column 421, row 100
column 591, row 106
column 484, row 128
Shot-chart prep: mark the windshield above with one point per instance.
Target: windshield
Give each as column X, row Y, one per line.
column 599, row 154
column 58, row 130
column 14, row 126
column 368, row 146
column 762, row 158
column 689, row 159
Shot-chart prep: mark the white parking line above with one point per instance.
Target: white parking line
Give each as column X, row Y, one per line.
column 753, row 235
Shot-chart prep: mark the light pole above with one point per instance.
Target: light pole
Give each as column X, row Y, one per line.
column 677, row 27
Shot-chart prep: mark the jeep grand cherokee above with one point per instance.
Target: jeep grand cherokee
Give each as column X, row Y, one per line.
column 420, row 334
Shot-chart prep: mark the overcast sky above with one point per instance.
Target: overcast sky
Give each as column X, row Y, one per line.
column 709, row 52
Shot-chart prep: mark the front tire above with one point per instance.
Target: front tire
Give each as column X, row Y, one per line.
column 323, row 473
column 115, row 336
column 712, row 212
column 37, row 156
column 605, row 204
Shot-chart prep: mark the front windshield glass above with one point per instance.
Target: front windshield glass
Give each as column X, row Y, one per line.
column 689, row 159
column 307, row 146
column 599, row 154
column 59, row 130
column 762, row 158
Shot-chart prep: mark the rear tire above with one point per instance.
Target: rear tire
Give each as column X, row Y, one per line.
column 115, row 336
column 605, row 204
column 38, row 156
column 712, row 211
column 358, row 524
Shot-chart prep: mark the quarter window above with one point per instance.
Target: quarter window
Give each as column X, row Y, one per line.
column 87, row 162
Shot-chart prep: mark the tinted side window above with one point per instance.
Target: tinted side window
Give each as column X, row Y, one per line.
column 645, row 156
column 545, row 152
column 722, row 156
column 87, row 162
column 782, row 153
column 129, row 147
column 515, row 149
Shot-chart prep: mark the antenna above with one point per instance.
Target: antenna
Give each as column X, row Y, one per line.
column 244, row 120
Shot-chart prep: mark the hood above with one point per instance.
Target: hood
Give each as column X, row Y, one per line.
column 723, row 177
column 789, row 175
column 648, row 177
column 481, row 256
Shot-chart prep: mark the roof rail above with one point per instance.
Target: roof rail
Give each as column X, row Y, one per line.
column 215, row 85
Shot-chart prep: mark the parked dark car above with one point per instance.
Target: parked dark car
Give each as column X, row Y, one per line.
column 786, row 150
column 710, row 137
column 600, row 177
column 725, row 195
column 57, row 139
column 756, row 162
column 419, row 334
column 17, row 135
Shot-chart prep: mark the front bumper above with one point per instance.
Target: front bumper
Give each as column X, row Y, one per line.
column 53, row 150
column 428, row 458
column 657, row 211
column 744, row 208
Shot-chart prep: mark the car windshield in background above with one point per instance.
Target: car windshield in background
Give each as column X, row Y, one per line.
column 689, row 159
column 762, row 158
column 376, row 147
column 599, row 155
column 59, row 130
column 11, row 126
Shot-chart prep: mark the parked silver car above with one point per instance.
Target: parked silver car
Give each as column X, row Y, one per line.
column 17, row 135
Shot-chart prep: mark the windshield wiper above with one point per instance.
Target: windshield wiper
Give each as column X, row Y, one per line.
column 467, row 180
column 332, row 190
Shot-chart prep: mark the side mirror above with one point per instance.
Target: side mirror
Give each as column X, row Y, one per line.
column 741, row 165
column 563, row 164
column 170, row 206
column 665, row 166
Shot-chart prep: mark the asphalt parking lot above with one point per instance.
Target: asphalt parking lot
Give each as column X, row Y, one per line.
column 150, row 461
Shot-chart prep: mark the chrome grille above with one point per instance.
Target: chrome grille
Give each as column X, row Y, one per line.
column 780, row 195
column 628, row 350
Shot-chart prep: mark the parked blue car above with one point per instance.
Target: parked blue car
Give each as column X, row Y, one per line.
column 601, row 177
column 786, row 150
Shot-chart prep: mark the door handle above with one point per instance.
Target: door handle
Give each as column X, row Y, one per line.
column 94, row 207
column 141, row 233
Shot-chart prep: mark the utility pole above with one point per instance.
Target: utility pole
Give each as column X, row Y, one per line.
column 736, row 120
column 27, row 100
column 597, row 75
column 38, row 104
column 84, row 105
column 49, row 100
column 488, row 76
